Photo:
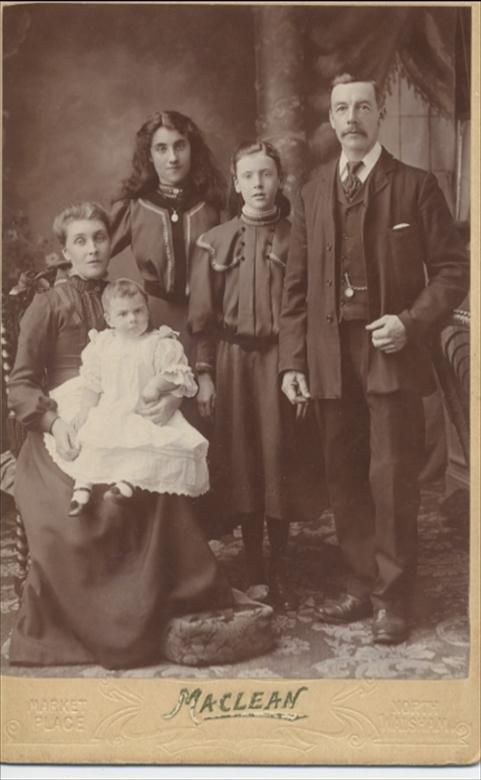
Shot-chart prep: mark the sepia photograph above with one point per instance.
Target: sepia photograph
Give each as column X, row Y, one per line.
column 237, row 382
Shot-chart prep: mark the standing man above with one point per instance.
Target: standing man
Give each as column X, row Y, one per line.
column 375, row 262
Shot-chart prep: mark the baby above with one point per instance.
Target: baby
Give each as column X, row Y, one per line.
column 125, row 368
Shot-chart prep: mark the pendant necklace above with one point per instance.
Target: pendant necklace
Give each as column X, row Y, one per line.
column 171, row 194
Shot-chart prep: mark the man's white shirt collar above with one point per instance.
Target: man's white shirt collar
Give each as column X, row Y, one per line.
column 369, row 161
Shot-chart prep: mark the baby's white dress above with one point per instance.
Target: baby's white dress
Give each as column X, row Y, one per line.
column 118, row 443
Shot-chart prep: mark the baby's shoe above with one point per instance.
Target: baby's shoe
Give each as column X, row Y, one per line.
column 80, row 499
column 282, row 596
column 121, row 491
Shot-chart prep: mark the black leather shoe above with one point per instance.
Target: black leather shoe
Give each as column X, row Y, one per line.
column 347, row 609
column 281, row 595
column 389, row 627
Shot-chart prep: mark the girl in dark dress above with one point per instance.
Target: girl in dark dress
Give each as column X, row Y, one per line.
column 100, row 587
column 236, row 281
column 174, row 194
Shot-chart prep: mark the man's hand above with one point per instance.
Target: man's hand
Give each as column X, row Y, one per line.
column 294, row 387
column 159, row 412
column 206, row 395
column 388, row 334
column 65, row 439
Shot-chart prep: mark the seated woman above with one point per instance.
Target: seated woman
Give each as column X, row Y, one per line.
column 101, row 586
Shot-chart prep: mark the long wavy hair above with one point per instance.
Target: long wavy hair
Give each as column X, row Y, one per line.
column 235, row 199
column 204, row 175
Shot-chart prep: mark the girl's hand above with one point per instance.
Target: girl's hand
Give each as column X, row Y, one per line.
column 294, row 386
column 159, row 412
column 206, row 395
column 65, row 439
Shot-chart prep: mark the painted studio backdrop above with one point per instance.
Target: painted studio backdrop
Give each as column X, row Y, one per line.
column 80, row 79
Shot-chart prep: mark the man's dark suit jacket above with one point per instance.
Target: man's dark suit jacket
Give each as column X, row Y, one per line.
column 419, row 272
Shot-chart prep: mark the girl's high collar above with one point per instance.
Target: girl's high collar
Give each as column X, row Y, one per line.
column 172, row 193
column 259, row 218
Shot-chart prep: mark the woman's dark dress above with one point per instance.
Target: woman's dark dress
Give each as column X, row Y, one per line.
column 100, row 586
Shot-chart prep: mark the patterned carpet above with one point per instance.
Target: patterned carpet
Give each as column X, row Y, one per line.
column 438, row 647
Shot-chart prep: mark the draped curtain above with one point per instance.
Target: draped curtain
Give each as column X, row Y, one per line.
column 374, row 43
column 299, row 50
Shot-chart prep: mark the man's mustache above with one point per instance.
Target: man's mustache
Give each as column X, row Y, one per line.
column 352, row 130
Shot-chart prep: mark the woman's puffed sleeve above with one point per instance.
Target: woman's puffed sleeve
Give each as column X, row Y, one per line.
column 91, row 357
column 171, row 363
column 27, row 396
column 202, row 311
column 120, row 226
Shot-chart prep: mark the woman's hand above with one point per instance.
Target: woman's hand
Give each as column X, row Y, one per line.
column 79, row 419
column 65, row 439
column 206, row 395
column 159, row 412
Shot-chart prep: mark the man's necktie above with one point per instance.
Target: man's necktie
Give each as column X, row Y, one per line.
column 352, row 184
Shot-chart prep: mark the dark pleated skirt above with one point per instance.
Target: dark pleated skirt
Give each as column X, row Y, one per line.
column 262, row 461
column 101, row 586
